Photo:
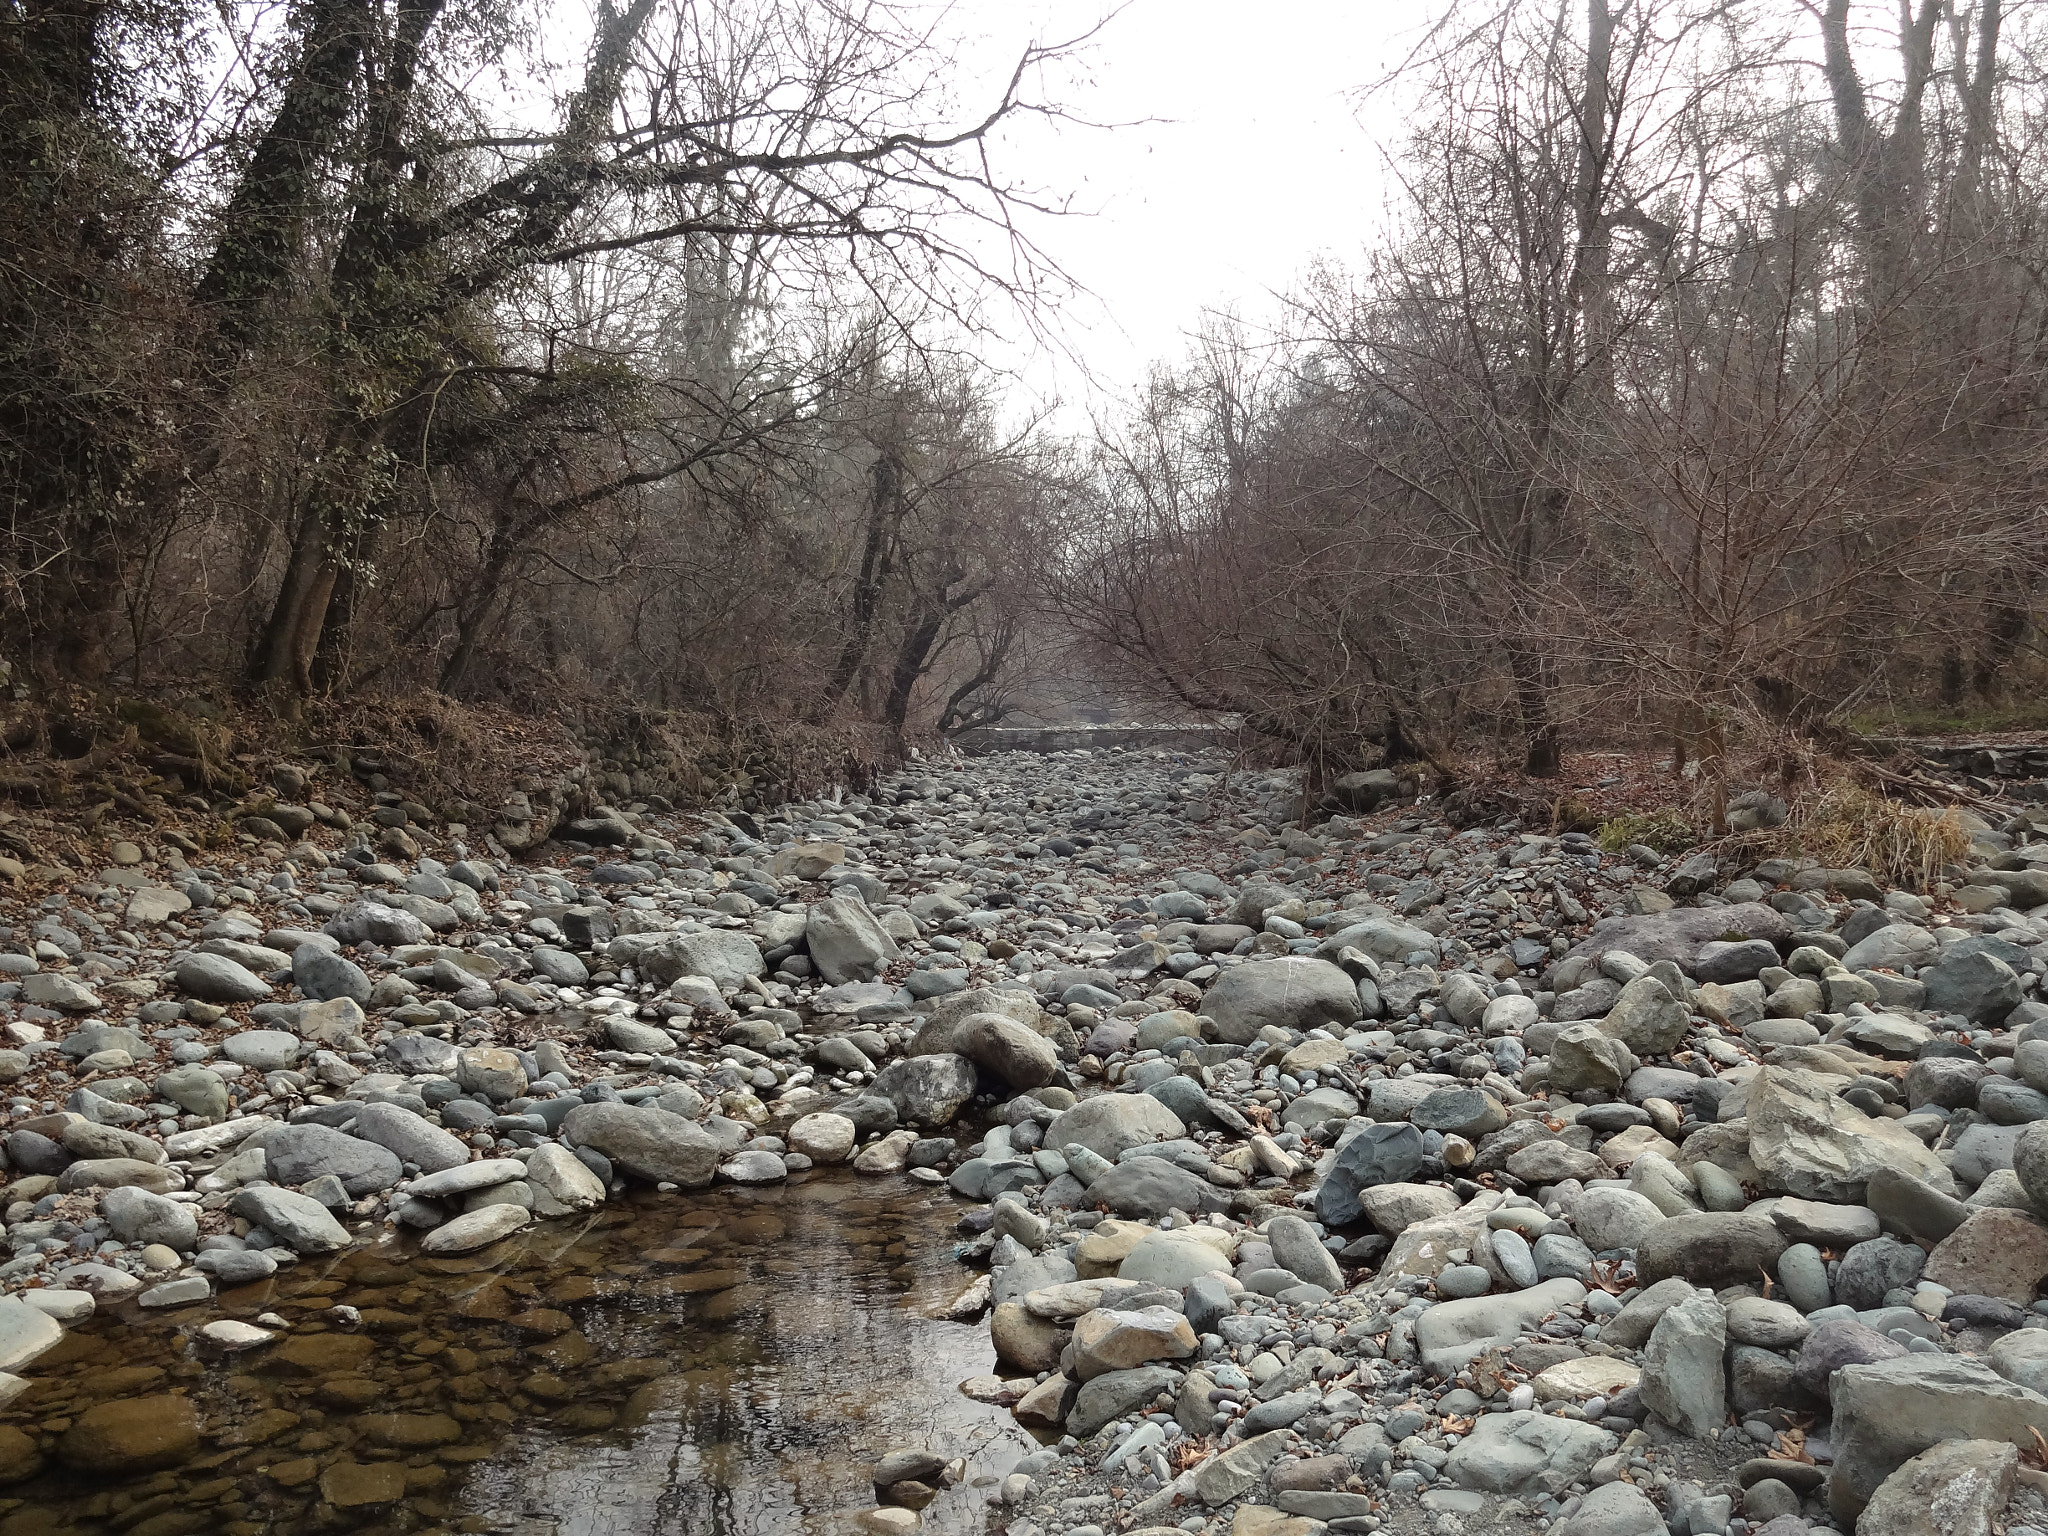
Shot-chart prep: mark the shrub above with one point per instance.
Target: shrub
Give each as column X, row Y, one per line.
column 1666, row 831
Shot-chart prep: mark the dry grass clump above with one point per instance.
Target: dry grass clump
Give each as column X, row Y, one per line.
column 1846, row 825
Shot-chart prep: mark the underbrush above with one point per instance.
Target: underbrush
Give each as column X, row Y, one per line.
column 1666, row 831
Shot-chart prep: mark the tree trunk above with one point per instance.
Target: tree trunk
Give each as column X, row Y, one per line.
column 885, row 509
column 308, row 581
column 1543, row 745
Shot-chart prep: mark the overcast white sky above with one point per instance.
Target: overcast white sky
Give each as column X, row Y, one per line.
column 1254, row 162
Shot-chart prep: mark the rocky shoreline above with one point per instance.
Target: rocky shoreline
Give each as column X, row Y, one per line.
column 1336, row 1175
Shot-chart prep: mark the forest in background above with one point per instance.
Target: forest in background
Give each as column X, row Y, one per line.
column 352, row 364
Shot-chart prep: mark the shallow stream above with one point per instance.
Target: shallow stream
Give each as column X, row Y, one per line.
column 721, row 1364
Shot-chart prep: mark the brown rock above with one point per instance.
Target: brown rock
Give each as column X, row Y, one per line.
column 1024, row 1343
column 131, row 1435
column 1996, row 1252
column 19, row 1456
column 1107, row 1340
column 353, row 1484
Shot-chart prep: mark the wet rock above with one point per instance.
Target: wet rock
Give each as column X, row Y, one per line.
column 361, row 1484
column 754, row 1167
column 475, row 1229
column 130, row 1436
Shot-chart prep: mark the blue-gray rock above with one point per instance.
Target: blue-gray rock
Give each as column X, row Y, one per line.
column 1910, row 1206
column 1711, row 1248
column 1462, row 1282
column 1840, row 1341
column 196, row 1090
column 1983, row 1149
column 217, row 979
column 1511, row 1251
column 1208, row 1303
column 1114, row 1394
column 323, row 975
column 1149, row 1187
column 1560, row 1256
column 560, row 967
column 1887, row 1412
column 1804, row 1275
column 1980, row 987
column 1525, row 1455
column 2010, row 1103
column 1379, row 1154
column 300, row 1222
column 927, row 1090
column 294, row 1154
column 647, row 1142
column 426, row 1147
column 1728, row 963
column 137, row 1216
column 1293, row 992
column 1871, row 1269
column 370, row 922
column 1296, row 1248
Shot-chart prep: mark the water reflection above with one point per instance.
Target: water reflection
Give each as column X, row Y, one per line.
column 719, row 1365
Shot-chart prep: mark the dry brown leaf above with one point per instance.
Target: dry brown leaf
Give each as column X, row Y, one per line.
column 1791, row 1446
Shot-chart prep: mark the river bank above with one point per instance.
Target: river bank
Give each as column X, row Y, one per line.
column 1326, row 1172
